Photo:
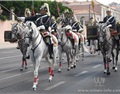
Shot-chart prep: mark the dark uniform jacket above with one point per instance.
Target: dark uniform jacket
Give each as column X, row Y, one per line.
column 76, row 25
column 40, row 20
column 112, row 21
column 54, row 26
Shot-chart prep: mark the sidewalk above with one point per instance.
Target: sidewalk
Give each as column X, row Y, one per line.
column 5, row 45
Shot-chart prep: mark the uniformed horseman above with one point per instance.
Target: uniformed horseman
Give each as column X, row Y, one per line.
column 111, row 20
column 41, row 19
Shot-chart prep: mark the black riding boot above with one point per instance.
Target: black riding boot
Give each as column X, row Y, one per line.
column 50, row 48
column 88, row 42
column 72, row 43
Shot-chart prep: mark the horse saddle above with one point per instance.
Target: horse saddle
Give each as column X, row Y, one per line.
column 49, row 38
column 113, row 32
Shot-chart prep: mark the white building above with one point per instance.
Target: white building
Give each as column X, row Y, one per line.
column 84, row 9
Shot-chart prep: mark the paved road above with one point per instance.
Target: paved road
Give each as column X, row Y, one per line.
column 87, row 78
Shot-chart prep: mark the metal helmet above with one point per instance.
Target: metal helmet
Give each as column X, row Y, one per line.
column 108, row 10
column 45, row 7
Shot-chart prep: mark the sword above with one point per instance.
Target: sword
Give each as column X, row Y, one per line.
column 8, row 10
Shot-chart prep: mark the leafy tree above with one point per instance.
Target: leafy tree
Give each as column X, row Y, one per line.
column 21, row 5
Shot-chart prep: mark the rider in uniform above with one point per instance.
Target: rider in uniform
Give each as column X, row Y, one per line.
column 43, row 18
column 111, row 20
column 66, row 18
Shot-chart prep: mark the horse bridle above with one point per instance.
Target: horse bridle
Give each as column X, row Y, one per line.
column 30, row 37
column 62, row 44
column 16, row 30
column 104, row 37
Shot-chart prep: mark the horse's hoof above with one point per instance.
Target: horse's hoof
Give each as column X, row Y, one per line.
column 77, row 59
column 105, row 71
column 21, row 69
column 90, row 52
column 116, row 69
column 59, row 70
column 68, row 69
column 74, row 66
column 34, row 88
column 82, row 59
column 113, row 68
column 108, row 73
column 50, row 78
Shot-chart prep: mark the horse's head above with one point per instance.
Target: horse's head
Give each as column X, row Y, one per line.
column 30, row 32
column 104, row 32
column 60, row 35
column 14, row 30
column 17, row 31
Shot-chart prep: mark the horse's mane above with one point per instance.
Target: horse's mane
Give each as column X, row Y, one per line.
column 32, row 25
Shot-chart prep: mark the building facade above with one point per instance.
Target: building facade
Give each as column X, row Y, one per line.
column 85, row 9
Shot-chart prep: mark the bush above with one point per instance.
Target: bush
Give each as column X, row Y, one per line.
column 3, row 18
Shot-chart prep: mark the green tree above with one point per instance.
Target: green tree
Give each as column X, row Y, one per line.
column 21, row 5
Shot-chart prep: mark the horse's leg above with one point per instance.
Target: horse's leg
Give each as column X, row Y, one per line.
column 25, row 64
column 75, row 56
column 104, row 60
column 22, row 66
column 113, row 60
column 82, row 46
column 108, row 69
column 50, row 69
column 68, row 60
column 108, row 61
column 36, row 68
column 117, row 53
column 60, row 59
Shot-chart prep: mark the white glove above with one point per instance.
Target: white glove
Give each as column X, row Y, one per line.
column 21, row 18
column 41, row 27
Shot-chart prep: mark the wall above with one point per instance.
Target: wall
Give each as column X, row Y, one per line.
column 4, row 25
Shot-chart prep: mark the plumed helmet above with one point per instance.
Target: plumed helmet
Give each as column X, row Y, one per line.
column 43, row 7
column 66, row 11
column 108, row 10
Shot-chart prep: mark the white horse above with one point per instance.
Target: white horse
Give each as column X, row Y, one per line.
column 17, row 33
column 66, row 46
column 109, row 47
column 39, row 50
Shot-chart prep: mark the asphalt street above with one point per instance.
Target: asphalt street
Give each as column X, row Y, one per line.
column 86, row 78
